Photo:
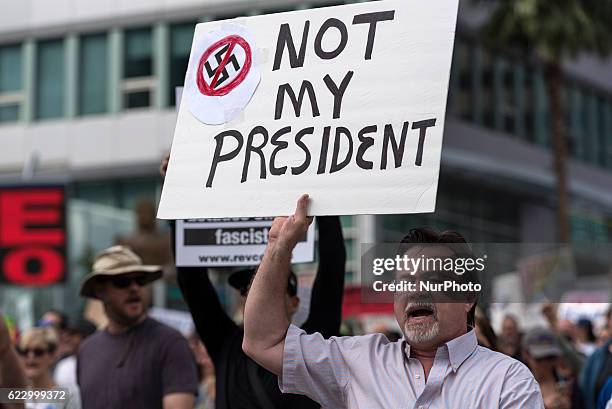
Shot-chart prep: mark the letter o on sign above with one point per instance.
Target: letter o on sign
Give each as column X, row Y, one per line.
column 51, row 266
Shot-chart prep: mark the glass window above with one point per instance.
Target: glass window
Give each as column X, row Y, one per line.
column 607, row 138
column 138, row 61
column 462, row 100
column 93, row 74
column 576, row 125
column 602, row 152
column 508, row 101
column 9, row 112
column 181, row 36
column 138, row 99
column 591, row 131
column 528, row 104
column 135, row 190
column 138, row 83
column 10, row 68
column 10, row 83
column 50, row 79
column 487, row 97
column 120, row 193
column 100, row 192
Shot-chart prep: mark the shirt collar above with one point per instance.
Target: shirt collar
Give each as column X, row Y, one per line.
column 459, row 349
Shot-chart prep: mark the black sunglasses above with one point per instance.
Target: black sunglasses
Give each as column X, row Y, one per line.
column 38, row 352
column 126, row 281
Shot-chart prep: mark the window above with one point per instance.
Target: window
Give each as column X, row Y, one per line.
column 488, row 65
column 574, row 106
column 589, row 120
column 138, row 80
column 120, row 193
column 50, row 79
column 606, row 135
column 181, row 36
column 462, row 98
column 529, row 105
column 93, row 74
column 10, row 83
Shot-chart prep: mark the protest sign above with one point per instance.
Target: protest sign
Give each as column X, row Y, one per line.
column 32, row 235
column 231, row 242
column 345, row 103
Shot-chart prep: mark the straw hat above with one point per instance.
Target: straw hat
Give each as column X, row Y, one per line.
column 115, row 261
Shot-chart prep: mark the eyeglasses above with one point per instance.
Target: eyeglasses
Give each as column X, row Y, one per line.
column 38, row 352
column 126, row 281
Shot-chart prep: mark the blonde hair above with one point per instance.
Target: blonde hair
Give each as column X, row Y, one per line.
column 46, row 336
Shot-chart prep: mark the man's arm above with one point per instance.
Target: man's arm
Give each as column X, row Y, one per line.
column 265, row 318
column 325, row 314
column 11, row 371
column 179, row 401
column 214, row 326
column 211, row 321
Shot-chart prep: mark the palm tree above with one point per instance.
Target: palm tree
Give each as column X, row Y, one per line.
column 553, row 30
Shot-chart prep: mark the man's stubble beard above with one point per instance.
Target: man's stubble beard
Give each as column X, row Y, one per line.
column 120, row 317
column 421, row 333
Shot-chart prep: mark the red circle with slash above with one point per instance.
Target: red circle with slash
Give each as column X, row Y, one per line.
column 232, row 40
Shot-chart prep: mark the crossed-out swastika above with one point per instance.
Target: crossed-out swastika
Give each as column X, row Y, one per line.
column 223, row 53
column 224, row 74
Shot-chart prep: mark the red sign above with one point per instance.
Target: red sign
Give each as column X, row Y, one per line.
column 32, row 235
column 225, row 47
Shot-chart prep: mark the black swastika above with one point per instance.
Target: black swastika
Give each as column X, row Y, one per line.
column 224, row 74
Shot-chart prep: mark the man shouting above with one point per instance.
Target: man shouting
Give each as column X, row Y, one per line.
column 437, row 364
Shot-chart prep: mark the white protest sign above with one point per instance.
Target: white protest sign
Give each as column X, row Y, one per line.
column 344, row 103
column 231, row 242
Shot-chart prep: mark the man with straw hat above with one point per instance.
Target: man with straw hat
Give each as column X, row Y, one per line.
column 136, row 362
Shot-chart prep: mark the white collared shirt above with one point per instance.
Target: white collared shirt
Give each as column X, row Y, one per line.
column 369, row 372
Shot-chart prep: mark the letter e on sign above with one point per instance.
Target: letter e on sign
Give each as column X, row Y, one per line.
column 32, row 235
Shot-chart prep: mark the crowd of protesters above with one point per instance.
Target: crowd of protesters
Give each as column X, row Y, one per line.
column 138, row 362
column 571, row 361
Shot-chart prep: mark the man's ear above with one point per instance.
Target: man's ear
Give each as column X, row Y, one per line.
column 294, row 304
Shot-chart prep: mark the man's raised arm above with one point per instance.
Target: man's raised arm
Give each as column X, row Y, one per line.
column 265, row 317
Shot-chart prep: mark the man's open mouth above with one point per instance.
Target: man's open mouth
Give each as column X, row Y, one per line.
column 420, row 312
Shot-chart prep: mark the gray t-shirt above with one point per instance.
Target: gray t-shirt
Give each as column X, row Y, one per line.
column 135, row 369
